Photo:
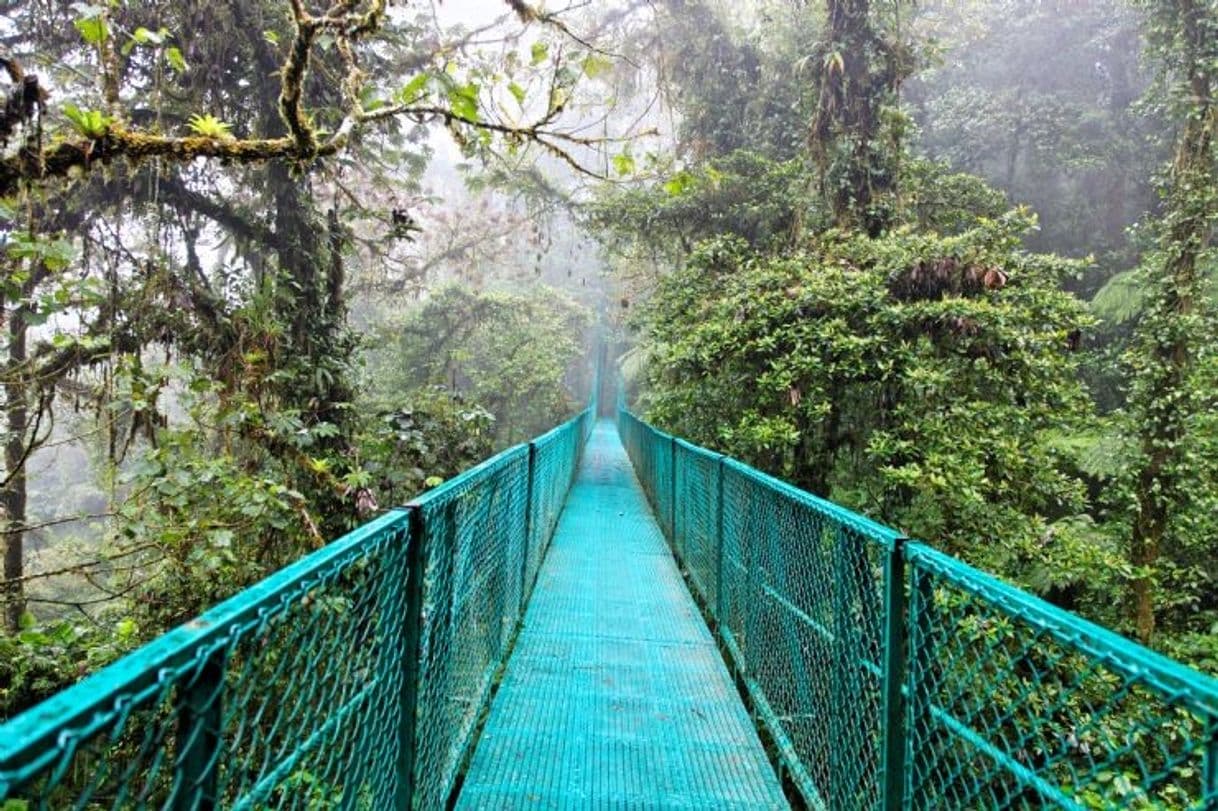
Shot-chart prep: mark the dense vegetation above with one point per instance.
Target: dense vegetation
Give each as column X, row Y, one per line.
column 222, row 309
column 871, row 312
column 269, row 268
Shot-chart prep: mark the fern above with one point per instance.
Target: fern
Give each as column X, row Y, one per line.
column 1100, row 453
column 1122, row 299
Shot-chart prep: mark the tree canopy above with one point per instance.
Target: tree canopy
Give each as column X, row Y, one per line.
column 271, row 266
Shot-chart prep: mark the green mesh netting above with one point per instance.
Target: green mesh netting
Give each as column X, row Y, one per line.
column 352, row 679
column 224, row 711
column 889, row 675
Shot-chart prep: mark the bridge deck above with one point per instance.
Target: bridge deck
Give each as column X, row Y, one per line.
column 616, row 696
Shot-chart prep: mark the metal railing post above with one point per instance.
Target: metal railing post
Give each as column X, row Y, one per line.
column 1210, row 787
column 747, row 642
column 672, row 490
column 411, row 653
column 529, row 518
column 719, row 600
column 200, row 718
column 893, row 719
column 918, row 660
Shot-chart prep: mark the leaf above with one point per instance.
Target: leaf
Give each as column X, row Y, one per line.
column 517, row 92
column 1123, row 298
column 92, row 123
column 271, row 37
column 92, row 25
column 596, row 65
column 209, row 126
column 414, row 89
column 56, row 254
column 175, row 59
column 623, row 163
column 464, row 101
column 540, row 52
column 145, row 37
column 678, row 184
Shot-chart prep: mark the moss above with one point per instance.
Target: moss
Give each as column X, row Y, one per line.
column 66, row 157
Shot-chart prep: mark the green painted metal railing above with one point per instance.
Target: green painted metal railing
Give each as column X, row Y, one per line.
column 352, row 679
column 889, row 675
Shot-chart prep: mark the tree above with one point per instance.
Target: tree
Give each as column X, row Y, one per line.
column 917, row 378
column 1039, row 99
column 891, row 346
column 288, row 103
column 515, row 354
column 1166, row 399
column 856, row 131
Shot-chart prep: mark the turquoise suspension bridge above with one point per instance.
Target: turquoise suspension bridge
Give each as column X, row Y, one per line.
column 522, row 637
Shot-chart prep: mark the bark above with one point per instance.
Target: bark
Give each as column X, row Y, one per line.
column 14, row 494
column 1164, row 404
column 860, row 74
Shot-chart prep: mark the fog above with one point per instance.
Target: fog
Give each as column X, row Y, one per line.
column 246, row 305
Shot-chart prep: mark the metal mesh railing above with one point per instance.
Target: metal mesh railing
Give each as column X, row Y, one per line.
column 224, row 710
column 890, row 675
column 352, row 679
column 1015, row 703
column 552, row 479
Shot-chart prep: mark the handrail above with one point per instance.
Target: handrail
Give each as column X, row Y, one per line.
column 354, row 677
column 891, row 675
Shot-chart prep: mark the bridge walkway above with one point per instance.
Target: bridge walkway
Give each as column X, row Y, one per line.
column 615, row 695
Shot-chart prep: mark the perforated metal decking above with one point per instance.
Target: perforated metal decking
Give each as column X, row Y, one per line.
column 616, row 696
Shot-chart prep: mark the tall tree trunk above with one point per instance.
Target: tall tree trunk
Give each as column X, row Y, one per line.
column 14, row 495
column 1169, row 336
column 861, row 72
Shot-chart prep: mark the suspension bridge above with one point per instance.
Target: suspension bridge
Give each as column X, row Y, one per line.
column 610, row 617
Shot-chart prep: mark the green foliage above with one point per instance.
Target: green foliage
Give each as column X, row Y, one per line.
column 417, row 446
column 770, row 204
column 463, row 100
column 90, row 123
column 208, row 126
column 1121, row 299
column 92, row 24
column 56, row 254
column 222, row 516
column 935, row 198
column 744, row 192
column 512, row 353
column 42, row 659
column 1040, row 100
column 858, row 129
column 1171, row 366
column 917, row 377
column 736, row 89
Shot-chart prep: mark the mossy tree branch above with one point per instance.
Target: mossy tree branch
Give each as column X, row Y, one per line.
column 348, row 21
